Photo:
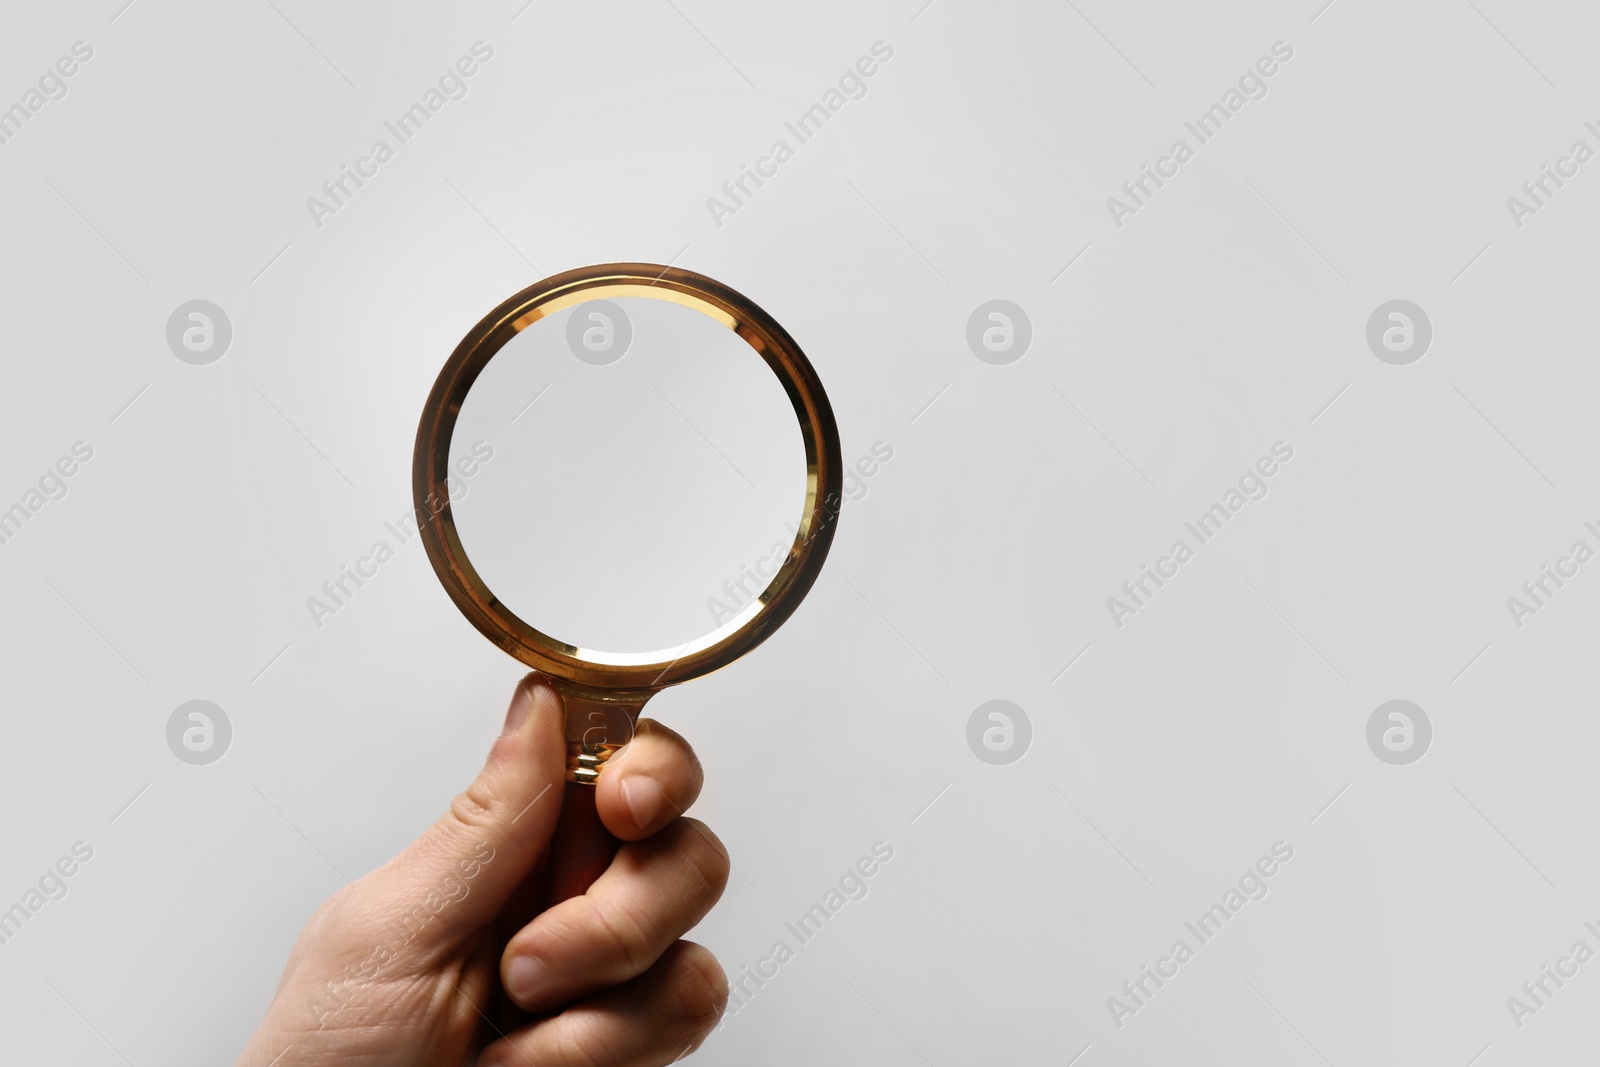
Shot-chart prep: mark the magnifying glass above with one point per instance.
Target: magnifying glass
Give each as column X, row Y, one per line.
column 674, row 331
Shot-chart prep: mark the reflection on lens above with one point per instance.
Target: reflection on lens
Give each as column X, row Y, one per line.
column 627, row 475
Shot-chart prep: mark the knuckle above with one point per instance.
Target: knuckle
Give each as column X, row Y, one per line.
column 344, row 918
column 700, row 988
column 672, row 742
column 574, row 1048
column 335, row 909
column 474, row 807
column 578, row 1049
column 707, row 860
column 628, row 936
column 347, row 908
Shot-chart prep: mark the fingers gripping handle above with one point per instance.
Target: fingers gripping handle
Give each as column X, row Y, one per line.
column 599, row 723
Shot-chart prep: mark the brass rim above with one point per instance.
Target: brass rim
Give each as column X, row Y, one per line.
column 646, row 671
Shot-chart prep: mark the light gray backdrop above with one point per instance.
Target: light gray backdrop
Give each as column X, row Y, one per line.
column 1174, row 340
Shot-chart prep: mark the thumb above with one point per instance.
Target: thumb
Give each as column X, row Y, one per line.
column 463, row 870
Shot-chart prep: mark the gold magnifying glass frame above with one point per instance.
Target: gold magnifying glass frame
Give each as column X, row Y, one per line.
column 604, row 691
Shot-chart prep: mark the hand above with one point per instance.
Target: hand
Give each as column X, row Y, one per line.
column 469, row 947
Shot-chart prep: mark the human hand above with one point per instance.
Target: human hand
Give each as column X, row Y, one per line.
column 483, row 943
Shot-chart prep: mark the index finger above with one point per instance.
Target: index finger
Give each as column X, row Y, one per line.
column 651, row 781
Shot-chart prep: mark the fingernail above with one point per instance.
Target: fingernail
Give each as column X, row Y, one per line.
column 528, row 979
column 517, row 713
column 643, row 796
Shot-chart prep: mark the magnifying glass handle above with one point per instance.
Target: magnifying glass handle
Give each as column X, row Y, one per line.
column 599, row 723
column 581, row 847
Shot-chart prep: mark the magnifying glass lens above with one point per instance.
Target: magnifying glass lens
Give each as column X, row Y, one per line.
column 626, row 475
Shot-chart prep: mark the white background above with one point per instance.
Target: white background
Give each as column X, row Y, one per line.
column 1168, row 354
